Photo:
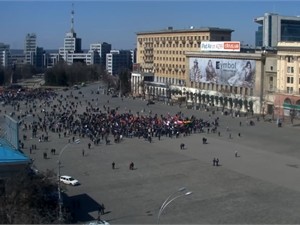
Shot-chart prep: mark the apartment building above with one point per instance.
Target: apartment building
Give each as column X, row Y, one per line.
column 161, row 54
column 287, row 96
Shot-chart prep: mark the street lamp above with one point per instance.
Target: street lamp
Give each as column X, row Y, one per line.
column 171, row 198
column 60, row 202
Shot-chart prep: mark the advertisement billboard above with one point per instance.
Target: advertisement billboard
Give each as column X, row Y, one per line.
column 232, row 72
column 220, row 46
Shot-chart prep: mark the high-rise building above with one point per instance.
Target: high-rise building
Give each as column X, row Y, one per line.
column 275, row 28
column 100, row 49
column 117, row 60
column 30, row 49
column 72, row 44
column 4, row 55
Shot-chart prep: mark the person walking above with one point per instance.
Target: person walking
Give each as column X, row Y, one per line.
column 113, row 165
column 217, row 162
column 236, row 154
column 83, row 152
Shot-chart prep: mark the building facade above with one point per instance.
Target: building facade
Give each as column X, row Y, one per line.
column 276, row 28
column 118, row 60
column 4, row 55
column 30, row 48
column 162, row 53
column 287, row 96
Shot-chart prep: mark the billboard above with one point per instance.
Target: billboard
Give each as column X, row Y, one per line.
column 232, row 72
column 220, row 46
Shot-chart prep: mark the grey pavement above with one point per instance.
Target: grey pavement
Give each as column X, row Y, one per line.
column 260, row 186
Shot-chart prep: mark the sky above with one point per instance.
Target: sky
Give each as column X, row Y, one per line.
column 117, row 21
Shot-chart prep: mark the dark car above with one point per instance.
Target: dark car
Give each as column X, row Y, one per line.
column 150, row 102
column 114, row 96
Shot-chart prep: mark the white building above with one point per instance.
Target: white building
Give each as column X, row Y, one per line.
column 4, row 55
column 117, row 60
column 30, row 48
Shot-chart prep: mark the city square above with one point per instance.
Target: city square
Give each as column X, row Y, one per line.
column 260, row 185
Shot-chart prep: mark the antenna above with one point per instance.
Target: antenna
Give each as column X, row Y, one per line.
column 72, row 18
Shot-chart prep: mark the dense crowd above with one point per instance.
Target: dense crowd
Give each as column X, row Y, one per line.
column 59, row 114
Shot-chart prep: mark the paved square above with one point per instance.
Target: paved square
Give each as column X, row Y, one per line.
column 261, row 186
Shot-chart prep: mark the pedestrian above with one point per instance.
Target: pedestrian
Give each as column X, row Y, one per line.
column 102, row 209
column 83, row 152
column 240, row 123
column 214, row 161
column 239, row 134
column 219, row 133
column 217, row 162
column 236, row 154
column 131, row 166
column 30, row 150
column 113, row 165
column 230, row 136
column 89, row 145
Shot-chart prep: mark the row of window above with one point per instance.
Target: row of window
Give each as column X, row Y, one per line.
column 182, row 38
column 173, row 59
column 169, row 65
column 176, row 45
column 290, row 80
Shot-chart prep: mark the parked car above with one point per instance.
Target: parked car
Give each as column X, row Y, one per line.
column 114, row 96
column 150, row 102
column 69, row 180
column 99, row 222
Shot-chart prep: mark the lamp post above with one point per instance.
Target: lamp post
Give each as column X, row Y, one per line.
column 60, row 202
column 171, row 198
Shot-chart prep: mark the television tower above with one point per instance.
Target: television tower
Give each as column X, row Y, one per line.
column 72, row 19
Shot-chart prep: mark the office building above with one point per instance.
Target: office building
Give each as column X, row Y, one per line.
column 4, row 55
column 100, row 50
column 30, row 49
column 118, row 60
column 276, row 28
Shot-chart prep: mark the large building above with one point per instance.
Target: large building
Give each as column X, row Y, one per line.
column 162, row 53
column 101, row 49
column 276, row 28
column 118, row 60
column 287, row 95
column 30, row 49
column 4, row 55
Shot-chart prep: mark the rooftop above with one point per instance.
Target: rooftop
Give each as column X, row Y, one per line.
column 191, row 30
column 10, row 155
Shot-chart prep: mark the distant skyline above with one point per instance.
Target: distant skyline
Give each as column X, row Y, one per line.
column 117, row 22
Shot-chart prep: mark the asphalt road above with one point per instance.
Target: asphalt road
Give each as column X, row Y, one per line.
column 259, row 186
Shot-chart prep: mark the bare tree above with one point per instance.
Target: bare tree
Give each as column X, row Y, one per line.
column 29, row 199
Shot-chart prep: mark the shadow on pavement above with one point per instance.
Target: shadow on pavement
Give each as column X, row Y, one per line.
column 81, row 206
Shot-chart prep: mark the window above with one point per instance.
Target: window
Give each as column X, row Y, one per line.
column 241, row 90
column 270, row 79
column 290, row 59
column 290, row 80
column 290, row 69
column 271, row 68
column 289, row 90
